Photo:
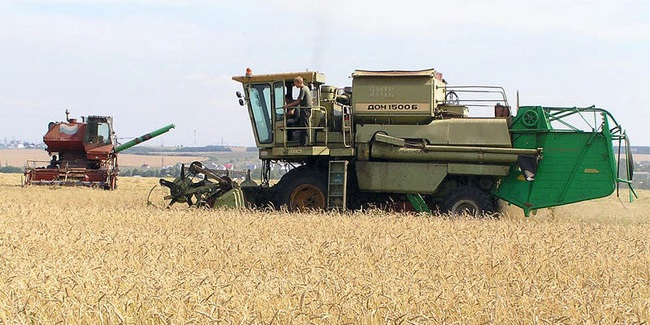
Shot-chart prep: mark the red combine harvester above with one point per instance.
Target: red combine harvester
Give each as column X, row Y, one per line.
column 83, row 153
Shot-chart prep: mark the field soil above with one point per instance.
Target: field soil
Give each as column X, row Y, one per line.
column 639, row 158
column 90, row 256
column 18, row 157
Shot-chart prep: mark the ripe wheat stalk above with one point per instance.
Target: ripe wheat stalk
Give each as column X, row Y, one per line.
column 84, row 256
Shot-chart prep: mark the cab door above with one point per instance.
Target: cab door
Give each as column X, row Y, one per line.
column 268, row 118
column 279, row 91
column 260, row 105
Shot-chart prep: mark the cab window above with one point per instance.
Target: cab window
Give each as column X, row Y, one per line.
column 278, row 93
column 260, row 102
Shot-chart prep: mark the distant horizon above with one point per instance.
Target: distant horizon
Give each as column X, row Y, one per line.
column 144, row 144
column 139, row 145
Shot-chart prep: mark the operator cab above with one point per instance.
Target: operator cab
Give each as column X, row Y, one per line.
column 264, row 95
column 99, row 131
column 99, row 138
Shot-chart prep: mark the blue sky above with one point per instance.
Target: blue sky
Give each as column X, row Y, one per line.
column 151, row 63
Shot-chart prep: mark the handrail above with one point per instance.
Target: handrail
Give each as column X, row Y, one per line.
column 346, row 128
column 307, row 128
column 451, row 95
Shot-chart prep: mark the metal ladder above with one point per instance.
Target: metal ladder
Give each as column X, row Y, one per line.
column 337, row 184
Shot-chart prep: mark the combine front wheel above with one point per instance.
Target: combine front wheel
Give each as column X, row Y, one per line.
column 302, row 189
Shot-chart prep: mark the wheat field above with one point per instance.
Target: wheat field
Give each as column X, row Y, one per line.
column 87, row 256
column 18, row 158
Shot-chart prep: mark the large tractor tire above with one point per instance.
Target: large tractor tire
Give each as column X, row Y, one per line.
column 469, row 200
column 302, row 189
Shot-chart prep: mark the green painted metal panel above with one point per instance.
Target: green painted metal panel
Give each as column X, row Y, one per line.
column 477, row 169
column 576, row 165
column 397, row 97
column 400, row 177
column 232, row 199
column 454, row 132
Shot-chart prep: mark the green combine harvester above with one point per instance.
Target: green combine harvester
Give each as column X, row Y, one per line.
column 405, row 141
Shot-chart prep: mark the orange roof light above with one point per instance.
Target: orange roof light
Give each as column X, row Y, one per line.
column 249, row 72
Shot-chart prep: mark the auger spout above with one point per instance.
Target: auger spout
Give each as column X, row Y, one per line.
column 144, row 138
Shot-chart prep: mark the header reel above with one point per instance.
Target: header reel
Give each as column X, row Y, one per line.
column 199, row 186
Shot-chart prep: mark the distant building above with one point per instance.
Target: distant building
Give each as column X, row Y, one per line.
column 19, row 144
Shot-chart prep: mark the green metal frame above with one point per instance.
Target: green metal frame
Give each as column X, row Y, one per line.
column 577, row 164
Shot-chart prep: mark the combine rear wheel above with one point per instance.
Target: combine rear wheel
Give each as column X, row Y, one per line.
column 302, row 189
column 469, row 200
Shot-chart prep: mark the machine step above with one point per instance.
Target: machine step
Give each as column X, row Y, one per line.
column 337, row 184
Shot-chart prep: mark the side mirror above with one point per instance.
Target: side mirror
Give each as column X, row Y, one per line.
column 239, row 95
column 241, row 102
